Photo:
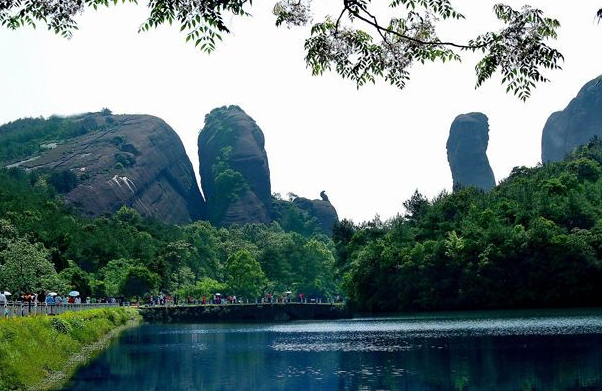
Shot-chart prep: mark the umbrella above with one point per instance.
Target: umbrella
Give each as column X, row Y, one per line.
column 218, row 294
column 53, row 294
column 288, row 292
column 6, row 293
column 74, row 293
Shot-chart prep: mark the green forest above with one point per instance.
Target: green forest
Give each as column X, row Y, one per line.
column 533, row 241
column 45, row 245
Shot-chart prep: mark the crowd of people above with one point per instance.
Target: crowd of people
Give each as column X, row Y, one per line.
column 28, row 302
column 31, row 301
column 165, row 299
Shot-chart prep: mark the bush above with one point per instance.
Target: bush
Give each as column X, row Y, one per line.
column 32, row 348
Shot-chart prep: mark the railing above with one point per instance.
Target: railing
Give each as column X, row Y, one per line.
column 255, row 303
column 19, row 309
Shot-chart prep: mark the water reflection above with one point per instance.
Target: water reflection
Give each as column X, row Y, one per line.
column 476, row 351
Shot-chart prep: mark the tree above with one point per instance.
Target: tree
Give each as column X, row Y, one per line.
column 202, row 236
column 139, row 281
column 113, row 274
column 205, row 287
column 312, row 266
column 63, row 181
column 76, row 279
column 381, row 50
column 415, row 206
column 25, row 268
column 244, row 276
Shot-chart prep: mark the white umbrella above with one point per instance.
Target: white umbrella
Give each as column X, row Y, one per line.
column 6, row 293
column 74, row 293
column 218, row 294
column 288, row 292
column 53, row 294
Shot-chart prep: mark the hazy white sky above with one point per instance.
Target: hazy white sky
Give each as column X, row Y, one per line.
column 368, row 148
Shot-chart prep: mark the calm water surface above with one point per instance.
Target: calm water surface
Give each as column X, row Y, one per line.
column 534, row 350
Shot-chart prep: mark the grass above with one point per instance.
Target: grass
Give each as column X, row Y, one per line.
column 36, row 349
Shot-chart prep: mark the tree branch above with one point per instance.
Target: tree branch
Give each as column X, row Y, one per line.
column 374, row 23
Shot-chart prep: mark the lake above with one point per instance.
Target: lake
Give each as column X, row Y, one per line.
column 520, row 350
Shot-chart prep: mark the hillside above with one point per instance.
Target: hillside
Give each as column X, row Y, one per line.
column 535, row 240
column 101, row 162
column 46, row 245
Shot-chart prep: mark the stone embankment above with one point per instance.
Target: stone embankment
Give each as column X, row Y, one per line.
column 277, row 312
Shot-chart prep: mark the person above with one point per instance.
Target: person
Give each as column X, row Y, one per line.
column 4, row 304
column 88, row 300
column 58, row 300
column 71, row 300
column 49, row 299
column 78, row 300
column 204, row 299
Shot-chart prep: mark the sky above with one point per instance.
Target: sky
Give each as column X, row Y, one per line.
column 368, row 148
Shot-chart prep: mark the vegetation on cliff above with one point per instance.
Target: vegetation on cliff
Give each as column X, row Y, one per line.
column 533, row 241
column 27, row 137
column 234, row 168
column 36, row 351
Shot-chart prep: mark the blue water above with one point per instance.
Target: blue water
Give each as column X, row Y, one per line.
column 531, row 350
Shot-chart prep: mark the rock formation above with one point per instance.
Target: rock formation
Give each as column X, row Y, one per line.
column 132, row 160
column 235, row 174
column 322, row 210
column 575, row 125
column 467, row 152
column 100, row 162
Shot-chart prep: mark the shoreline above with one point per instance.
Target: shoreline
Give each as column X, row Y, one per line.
column 58, row 379
column 44, row 352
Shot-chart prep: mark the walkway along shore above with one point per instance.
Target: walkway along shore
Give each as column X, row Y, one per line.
column 20, row 309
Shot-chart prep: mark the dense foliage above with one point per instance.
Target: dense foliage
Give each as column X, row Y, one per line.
column 45, row 245
column 355, row 42
column 533, row 241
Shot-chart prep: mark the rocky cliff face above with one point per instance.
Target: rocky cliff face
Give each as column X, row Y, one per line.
column 467, row 151
column 132, row 160
column 235, row 174
column 322, row 210
column 575, row 125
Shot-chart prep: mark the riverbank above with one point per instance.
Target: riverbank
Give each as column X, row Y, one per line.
column 42, row 352
column 276, row 312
